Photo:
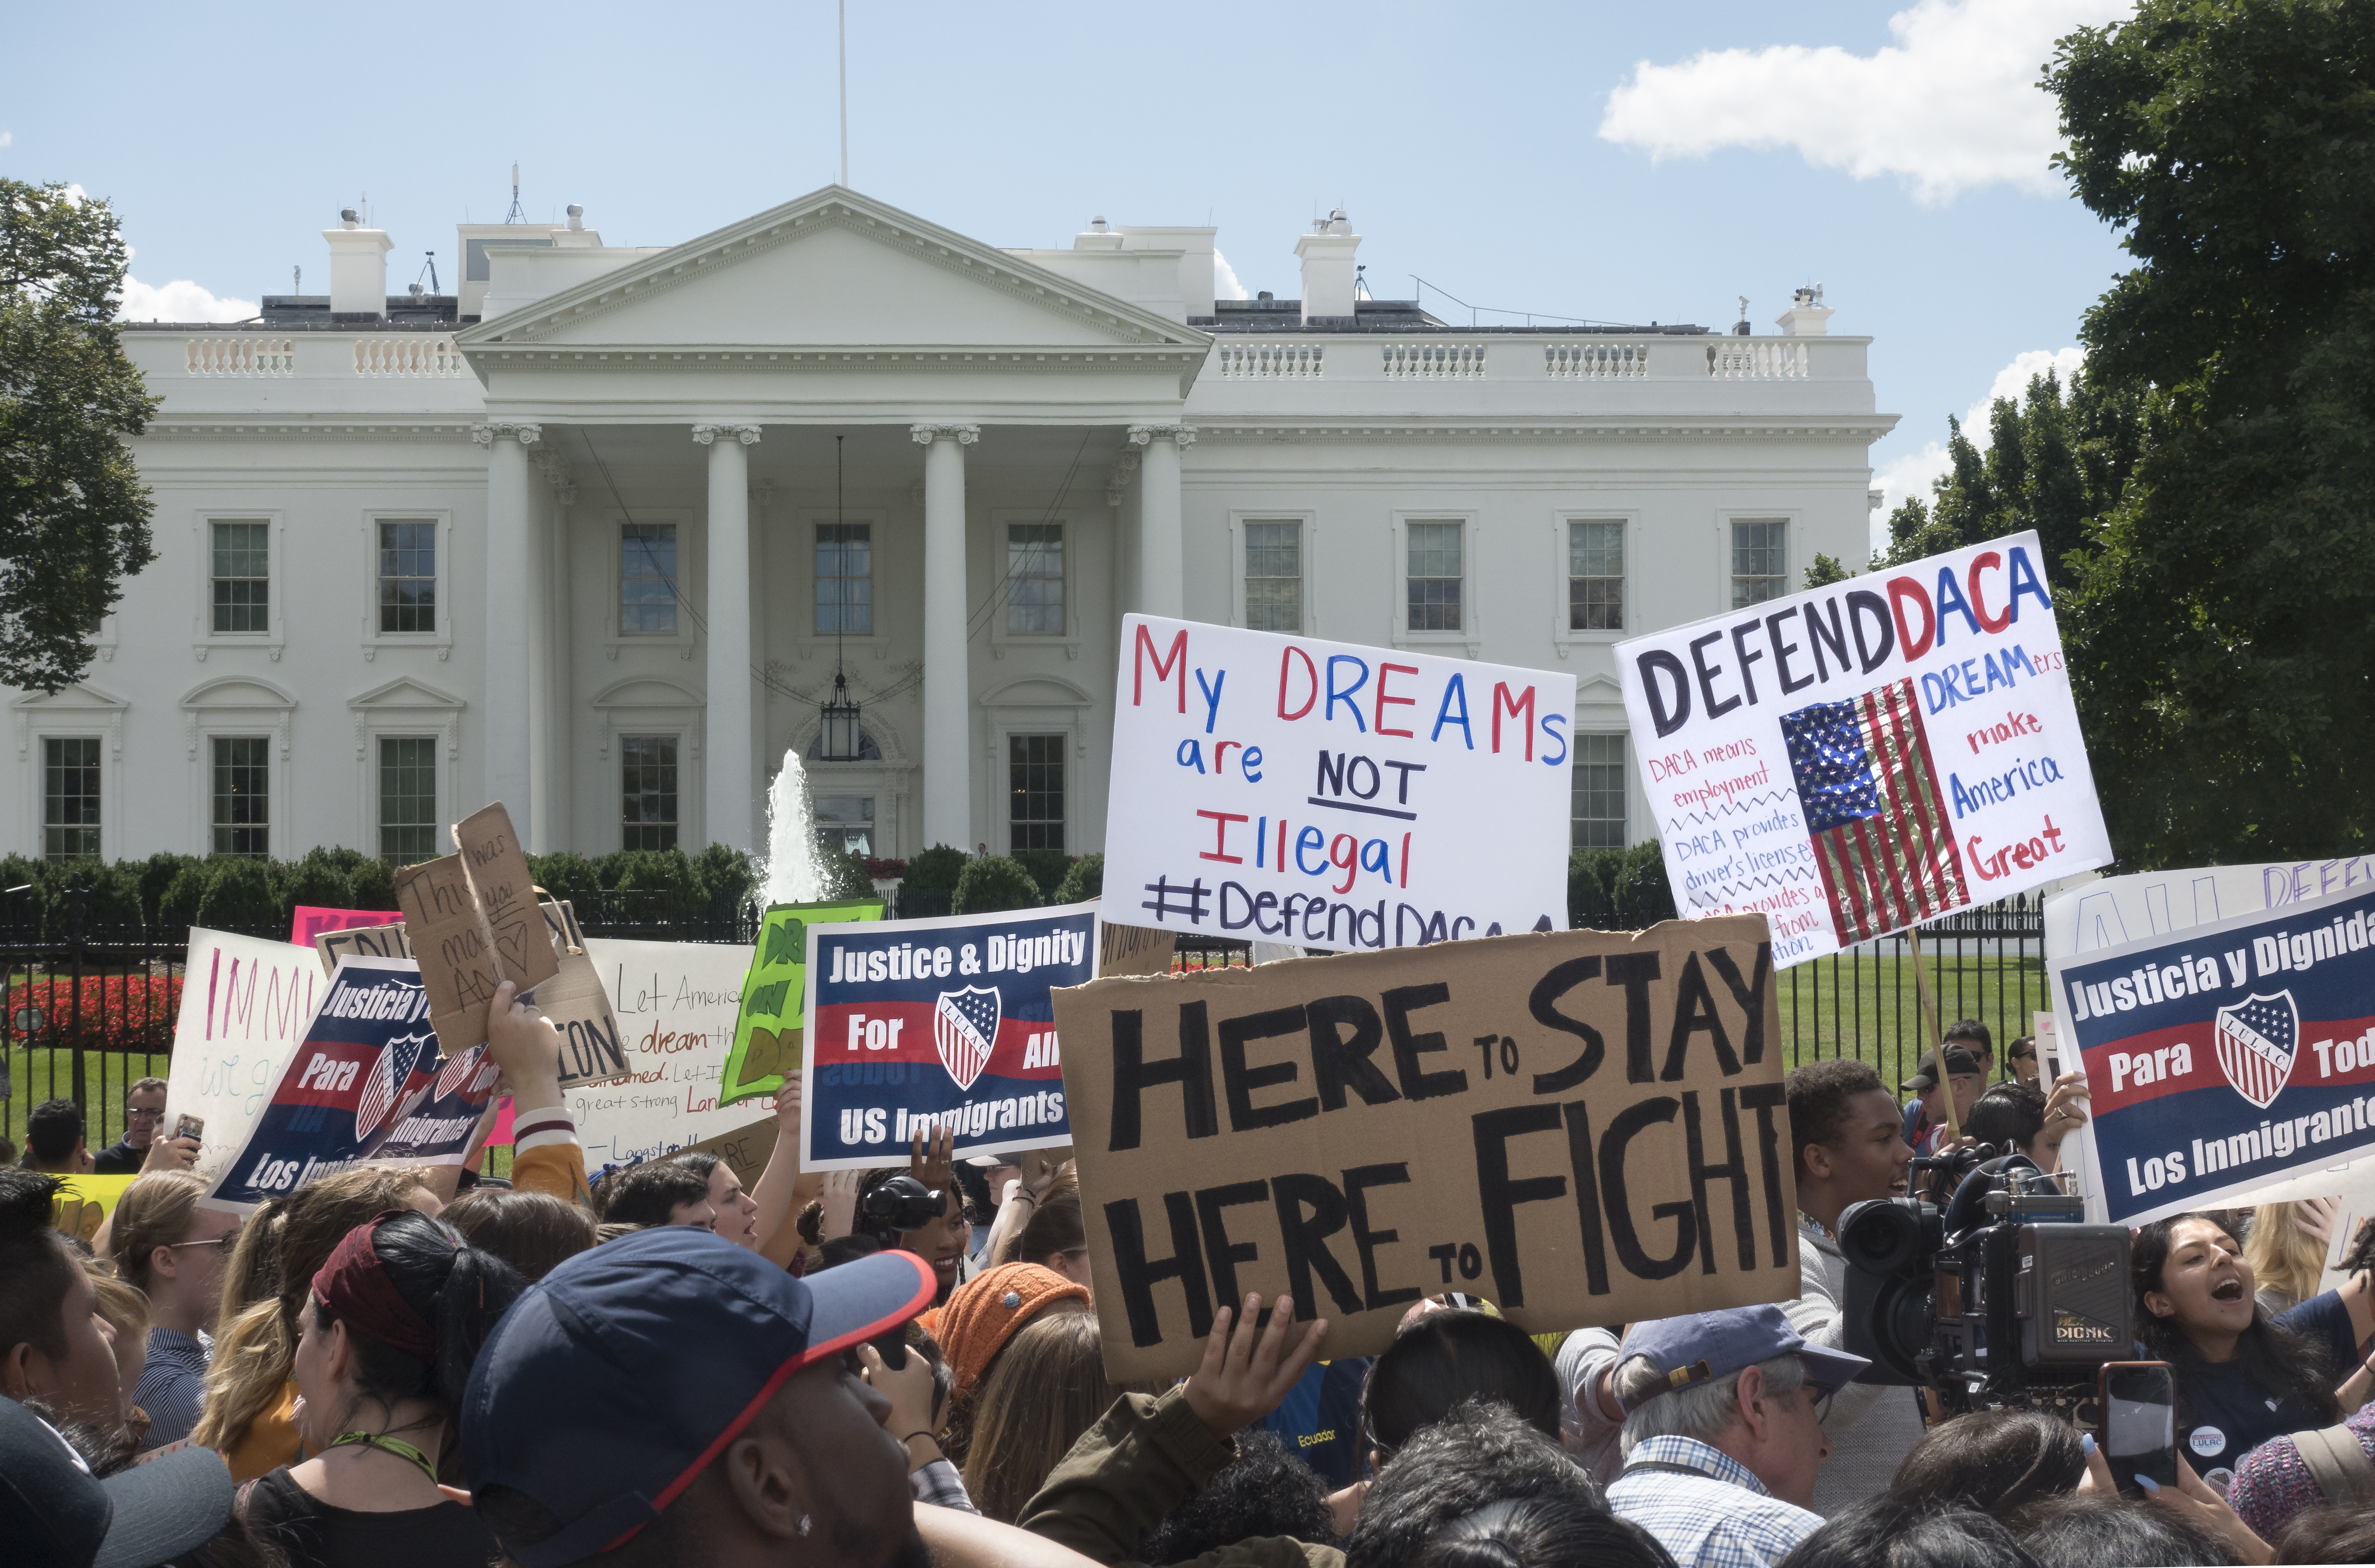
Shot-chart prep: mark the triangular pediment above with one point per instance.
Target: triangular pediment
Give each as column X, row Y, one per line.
column 77, row 696
column 831, row 269
column 406, row 692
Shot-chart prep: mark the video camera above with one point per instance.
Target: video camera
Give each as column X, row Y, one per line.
column 900, row 1204
column 2006, row 1298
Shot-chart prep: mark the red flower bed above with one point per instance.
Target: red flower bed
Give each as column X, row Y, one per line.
column 120, row 1012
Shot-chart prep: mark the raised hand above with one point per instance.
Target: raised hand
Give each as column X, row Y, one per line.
column 1248, row 1372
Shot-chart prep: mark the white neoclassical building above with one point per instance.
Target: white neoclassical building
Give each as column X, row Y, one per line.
column 593, row 533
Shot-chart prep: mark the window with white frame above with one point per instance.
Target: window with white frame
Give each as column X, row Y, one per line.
column 1598, row 797
column 1595, row 575
column 1035, row 791
column 1274, row 576
column 408, row 575
column 1035, row 573
column 241, row 794
column 845, row 579
column 647, row 580
column 407, row 798
column 846, row 823
column 1433, row 575
column 242, row 577
column 647, row 791
column 69, row 797
column 1760, row 560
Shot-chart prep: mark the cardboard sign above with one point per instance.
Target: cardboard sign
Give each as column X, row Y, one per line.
column 1327, row 794
column 245, row 1001
column 938, row 1023
column 2224, row 1058
column 2109, row 911
column 362, row 941
column 1584, row 1127
column 366, row 1083
column 676, row 1004
column 472, row 922
column 767, row 1035
column 745, row 1151
column 311, row 920
column 1869, row 755
column 83, row 1203
column 1134, row 950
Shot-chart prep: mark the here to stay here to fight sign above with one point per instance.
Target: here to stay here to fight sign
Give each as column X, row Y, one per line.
column 1868, row 755
column 1584, row 1127
column 1331, row 795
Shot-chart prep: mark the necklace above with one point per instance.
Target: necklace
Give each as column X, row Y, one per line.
column 395, row 1445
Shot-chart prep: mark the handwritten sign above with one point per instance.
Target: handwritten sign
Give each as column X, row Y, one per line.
column 2109, row 911
column 1327, row 794
column 676, row 1004
column 362, row 941
column 311, row 920
column 1865, row 756
column 1134, row 950
column 490, row 851
column 245, row 1001
column 1585, row 1126
column 472, row 922
column 745, row 1151
column 767, row 1036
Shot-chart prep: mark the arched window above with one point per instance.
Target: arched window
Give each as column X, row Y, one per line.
column 866, row 751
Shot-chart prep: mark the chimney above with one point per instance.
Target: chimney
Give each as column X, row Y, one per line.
column 1806, row 314
column 1328, row 270
column 358, row 268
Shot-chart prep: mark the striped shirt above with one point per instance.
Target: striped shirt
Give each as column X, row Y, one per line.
column 171, row 1386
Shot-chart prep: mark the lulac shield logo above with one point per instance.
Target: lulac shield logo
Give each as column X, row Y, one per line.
column 2258, row 1039
column 965, row 1026
column 398, row 1060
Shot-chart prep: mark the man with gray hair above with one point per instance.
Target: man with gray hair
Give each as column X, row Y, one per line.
column 1721, row 1438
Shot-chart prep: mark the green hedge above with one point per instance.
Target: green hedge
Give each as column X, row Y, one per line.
column 1618, row 890
column 994, row 882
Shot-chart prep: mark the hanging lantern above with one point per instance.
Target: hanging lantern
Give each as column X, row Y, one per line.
column 841, row 738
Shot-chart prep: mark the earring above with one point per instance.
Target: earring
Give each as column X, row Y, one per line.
column 804, row 1525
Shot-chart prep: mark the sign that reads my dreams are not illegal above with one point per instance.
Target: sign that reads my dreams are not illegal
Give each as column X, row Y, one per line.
column 1586, row 1127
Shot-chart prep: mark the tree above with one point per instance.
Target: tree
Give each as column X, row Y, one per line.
column 2222, row 622
column 74, row 515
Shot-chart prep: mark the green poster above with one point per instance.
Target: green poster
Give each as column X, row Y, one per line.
column 767, row 1029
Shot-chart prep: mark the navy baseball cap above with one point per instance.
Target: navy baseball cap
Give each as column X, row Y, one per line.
column 56, row 1513
column 615, row 1379
column 1704, row 1346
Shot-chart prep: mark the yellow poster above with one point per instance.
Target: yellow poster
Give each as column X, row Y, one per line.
column 85, row 1202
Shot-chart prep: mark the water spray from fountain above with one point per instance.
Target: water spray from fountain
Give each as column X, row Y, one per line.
column 795, row 872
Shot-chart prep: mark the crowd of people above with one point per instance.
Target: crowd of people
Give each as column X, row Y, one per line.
column 400, row 1368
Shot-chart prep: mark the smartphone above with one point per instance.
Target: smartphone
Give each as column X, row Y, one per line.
column 189, row 1126
column 2139, row 1406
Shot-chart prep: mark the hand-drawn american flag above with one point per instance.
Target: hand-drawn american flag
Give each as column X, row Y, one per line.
column 1869, row 788
column 389, row 1079
column 965, row 1027
column 2258, row 1039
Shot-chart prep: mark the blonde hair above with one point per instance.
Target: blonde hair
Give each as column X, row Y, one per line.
column 2283, row 1255
column 281, row 1247
column 155, row 1211
column 125, row 1307
column 1046, row 1387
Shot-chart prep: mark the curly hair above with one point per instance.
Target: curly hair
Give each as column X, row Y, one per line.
column 1423, row 1505
column 1266, row 1490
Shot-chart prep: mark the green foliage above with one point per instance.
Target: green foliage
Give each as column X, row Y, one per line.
column 239, row 896
column 995, row 882
column 1047, row 868
column 317, row 879
column 74, row 515
column 157, row 874
column 669, row 886
column 936, row 870
column 1826, row 571
column 728, row 875
column 1618, row 890
column 568, row 876
column 844, row 874
column 1083, row 879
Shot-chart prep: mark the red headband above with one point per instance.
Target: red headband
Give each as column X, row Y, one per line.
column 354, row 1285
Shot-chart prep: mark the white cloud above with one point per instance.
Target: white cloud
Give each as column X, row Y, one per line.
column 178, row 300
column 1225, row 279
column 1912, row 474
column 7, row 138
column 1953, row 104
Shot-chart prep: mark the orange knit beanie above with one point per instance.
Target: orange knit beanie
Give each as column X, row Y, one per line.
column 983, row 1313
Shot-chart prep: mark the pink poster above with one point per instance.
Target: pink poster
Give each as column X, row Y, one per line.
column 312, row 921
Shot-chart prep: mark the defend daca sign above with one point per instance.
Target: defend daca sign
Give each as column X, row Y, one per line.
column 1585, row 1126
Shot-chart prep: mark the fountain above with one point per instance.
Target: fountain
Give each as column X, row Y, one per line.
column 793, row 873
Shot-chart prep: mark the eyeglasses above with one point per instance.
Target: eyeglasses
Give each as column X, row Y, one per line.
column 225, row 1239
column 134, row 1113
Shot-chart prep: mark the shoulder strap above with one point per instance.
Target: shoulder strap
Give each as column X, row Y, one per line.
column 2344, row 1472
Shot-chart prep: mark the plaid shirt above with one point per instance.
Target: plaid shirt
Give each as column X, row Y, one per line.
column 1705, row 1506
column 938, row 1484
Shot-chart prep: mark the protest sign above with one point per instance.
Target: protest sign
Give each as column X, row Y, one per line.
column 244, row 1003
column 311, row 920
column 366, row 941
column 676, row 1004
column 2224, row 1057
column 745, row 1151
column 1134, row 950
column 1617, row 1148
column 471, row 918
column 366, row 1082
column 83, row 1203
column 2108, row 911
column 1326, row 794
column 1909, row 748
column 938, row 1023
column 767, row 1035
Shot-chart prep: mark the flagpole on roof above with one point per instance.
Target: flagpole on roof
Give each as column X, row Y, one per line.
column 841, row 13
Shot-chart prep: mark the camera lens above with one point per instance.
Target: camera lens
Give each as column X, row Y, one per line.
column 1881, row 1235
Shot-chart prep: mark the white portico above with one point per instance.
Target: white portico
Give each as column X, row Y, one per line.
column 594, row 534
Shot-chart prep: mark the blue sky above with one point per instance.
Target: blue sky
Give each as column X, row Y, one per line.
column 1620, row 163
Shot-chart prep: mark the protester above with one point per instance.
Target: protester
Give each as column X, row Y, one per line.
column 1921, row 1112
column 1052, row 1233
column 1889, row 1531
column 1266, row 1490
column 1965, row 1078
column 1048, row 1386
column 2328, row 1535
column 781, row 1183
column 840, row 1250
column 173, row 1251
column 1993, row 1460
column 545, row 1153
column 144, row 1110
column 533, row 1231
column 2287, row 1250
column 53, row 1139
column 736, row 1211
column 986, row 1311
column 2275, row 1483
column 1722, row 1443
column 2099, row 1530
column 2021, row 1065
column 55, row 1348
column 125, row 1313
column 2242, row 1376
column 1847, row 1148
column 250, row 1407
column 1591, row 1423
column 58, row 1511
column 657, row 1192
column 395, row 1318
column 905, row 1213
column 2032, row 1124
column 1446, row 1357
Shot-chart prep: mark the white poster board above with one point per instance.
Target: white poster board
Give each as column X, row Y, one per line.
column 676, row 1003
column 2110, row 910
column 1866, row 756
column 245, row 1003
column 1332, row 796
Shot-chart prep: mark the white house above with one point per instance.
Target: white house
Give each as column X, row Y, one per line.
column 593, row 534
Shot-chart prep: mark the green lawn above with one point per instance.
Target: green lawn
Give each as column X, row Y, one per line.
column 36, row 1074
column 1866, row 1007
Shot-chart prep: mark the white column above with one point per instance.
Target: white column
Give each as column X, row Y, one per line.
column 1162, row 546
column 556, row 814
column 727, row 750
column 536, row 834
column 948, row 696
column 510, row 583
